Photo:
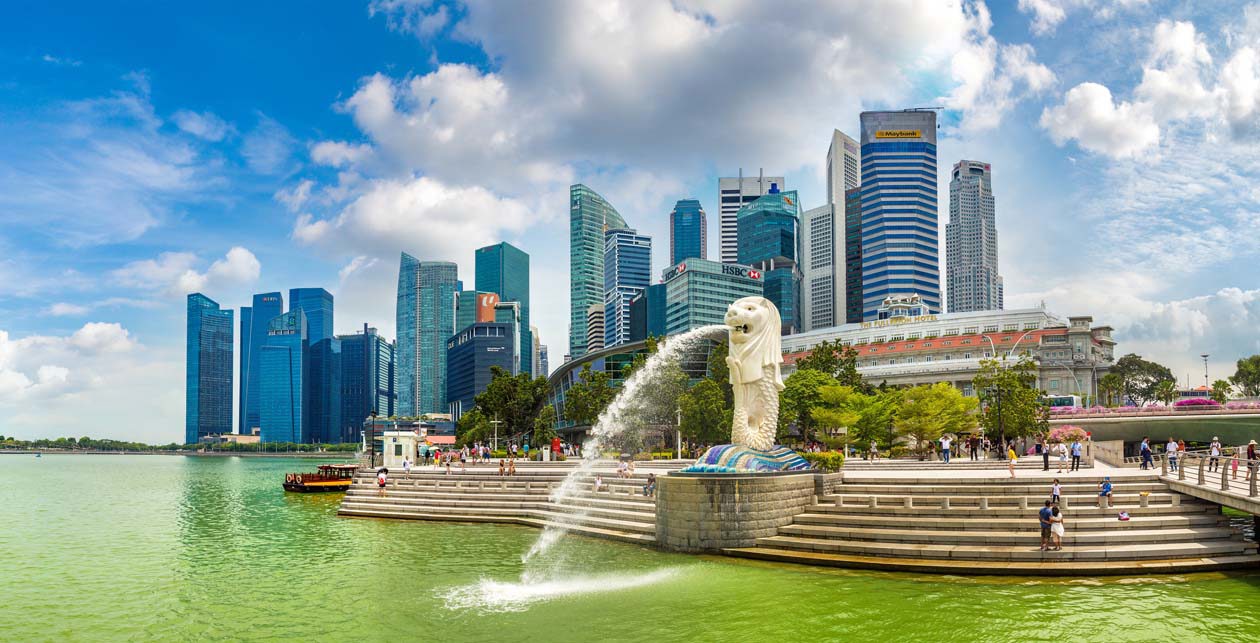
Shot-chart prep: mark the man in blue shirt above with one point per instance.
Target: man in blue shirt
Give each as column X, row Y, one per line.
column 1076, row 455
column 1104, row 493
column 1147, row 458
column 1044, row 517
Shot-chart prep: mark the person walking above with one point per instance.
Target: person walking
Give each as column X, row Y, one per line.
column 1012, row 457
column 1056, row 528
column 406, row 467
column 1043, row 517
column 1171, row 451
column 381, row 478
column 1148, row 461
column 1076, row 455
column 874, row 452
column 1214, row 453
column 945, row 442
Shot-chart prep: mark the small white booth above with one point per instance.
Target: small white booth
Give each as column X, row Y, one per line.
column 396, row 445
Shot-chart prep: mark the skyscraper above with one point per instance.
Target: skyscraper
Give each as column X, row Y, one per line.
column 733, row 194
column 254, row 320
column 595, row 327
column 470, row 354
column 852, row 256
column 698, row 292
column 589, row 216
column 971, row 245
column 503, row 269
column 627, row 271
column 543, row 361
column 843, row 167
column 367, row 380
column 208, row 370
column 535, row 369
column 688, row 232
column 426, row 319
column 647, row 312
column 822, row 268
column 284, row 389
column 323, row 414
column 900, row 239
column 768, row 229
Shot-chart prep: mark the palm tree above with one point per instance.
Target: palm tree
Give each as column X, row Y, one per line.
column 1166, row 392
column 1109, row 387
column 1221, row 390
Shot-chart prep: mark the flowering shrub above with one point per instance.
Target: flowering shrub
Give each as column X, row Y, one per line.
column 1197, row 401
column 1067, row 433
column 1242, row 405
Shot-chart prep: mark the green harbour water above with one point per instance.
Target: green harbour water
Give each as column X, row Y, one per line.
column 182, row 548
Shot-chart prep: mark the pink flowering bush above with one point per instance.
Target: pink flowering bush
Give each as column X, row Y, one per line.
column 1067, row 433
column 1197, row 402
column 1242, row 406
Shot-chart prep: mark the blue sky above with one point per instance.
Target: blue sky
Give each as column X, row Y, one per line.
column 151, row 149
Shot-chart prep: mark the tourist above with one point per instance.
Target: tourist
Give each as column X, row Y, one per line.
column 874, row 453
column 1251, row 460
column 630, row 469
column 1076, row 455
column 945, row 442
column 437, row 456
column 406, row 467
column 511, row 466
column 1056, row 528
column 974, row 444
column 621, row 469
column 1214, row 451
column 380, row 480
column 463, row 457
column 649, row 489
column 1012, row 457
column 1145, row 450
column 1233, row 463
column 526, row 450
column 1044, row 447
column 501, row 470
column 1062, row 450
column 1171, row 453
column 449, row 456
column 1055, row 490
column 599, row 483
column 1043, row 517
column 1104, row 493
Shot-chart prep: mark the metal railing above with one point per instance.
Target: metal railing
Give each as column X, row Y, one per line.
column 1228, row 466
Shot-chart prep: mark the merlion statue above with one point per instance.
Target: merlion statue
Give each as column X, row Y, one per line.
column 754, row 358
column 753, row 327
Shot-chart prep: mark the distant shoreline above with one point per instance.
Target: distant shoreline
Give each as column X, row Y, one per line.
column 191, row 454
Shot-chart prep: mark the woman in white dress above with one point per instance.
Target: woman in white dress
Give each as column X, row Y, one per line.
column 1063, row 451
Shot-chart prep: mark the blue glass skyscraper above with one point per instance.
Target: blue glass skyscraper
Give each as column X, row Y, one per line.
column 284, row 398
column 627, row 272
column 426, row 319
column 208, row 370
column 900, row 237
column 323, row 361
column 317, row 305
column 767, row 231
column 590, row 215
column 503, row 269
column 254, row 320
column 367, row 380
column 687, row 232
column 471, row 353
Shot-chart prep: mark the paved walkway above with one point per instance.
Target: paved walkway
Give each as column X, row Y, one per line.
column 996, row 469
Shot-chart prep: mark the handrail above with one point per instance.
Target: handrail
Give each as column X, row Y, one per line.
column 1224, row 463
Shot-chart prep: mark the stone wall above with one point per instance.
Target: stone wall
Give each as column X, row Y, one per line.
column 708, row 512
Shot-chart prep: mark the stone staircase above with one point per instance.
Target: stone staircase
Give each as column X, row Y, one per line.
column 618, row 512
column 1027, row 463
column 989, row 526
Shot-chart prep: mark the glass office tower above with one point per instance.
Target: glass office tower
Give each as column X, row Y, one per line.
column 324, row 361
column 367, row 380
column 627, row 272
column 284, row 398
column 767, row 230
column 208, row 370
column 687, row 232
column 426, row 319
column 589, row 216
column 254, row 320
column 503, row 269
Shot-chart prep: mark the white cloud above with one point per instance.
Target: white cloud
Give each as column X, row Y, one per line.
column 1172, row 81
column 1047, row 15
column 67, row 309
column 1090, row 117
column 356, row 264
column 992, row 78
column 60, row 60
column 267, row 148
column 174, row 273
column 100, row 337
column 40, row 367
column 203, row 125
column 295, row 198
column 338, row 153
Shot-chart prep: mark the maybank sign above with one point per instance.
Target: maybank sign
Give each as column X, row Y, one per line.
column 897, row 321
column 899, row 133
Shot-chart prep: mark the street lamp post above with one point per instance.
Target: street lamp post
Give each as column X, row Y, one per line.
column 496, row 422
column 678, row 434
column 1205, row 371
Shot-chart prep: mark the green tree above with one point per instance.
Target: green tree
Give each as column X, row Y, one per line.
column 1221, row 390
column 1012, row 403
column 1247, row 377
column 588, row 397
column 1110, row 386
column 705, row 417
column 473, row 426
column 929, row 411
column 836, row 360
column 514, row 399
column 1166, row 392
column 865, row 416
column 720, row 373
column 799, row 397
column 544, row 426
column 1141, row 377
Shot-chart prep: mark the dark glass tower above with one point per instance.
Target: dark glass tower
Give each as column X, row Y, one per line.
column 470, row 355
column 687, row 232
column 503, row 269
column 367, row 380
column 208, row 372
column 853, row 256
column 284, row 392
column 767, row 230
column 254, row 320
column 324, row 361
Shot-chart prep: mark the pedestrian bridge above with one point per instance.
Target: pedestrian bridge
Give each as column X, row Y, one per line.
column 1221, row 484
column 1232, row 427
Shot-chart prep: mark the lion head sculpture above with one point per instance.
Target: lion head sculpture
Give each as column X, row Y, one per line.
column 755, row 328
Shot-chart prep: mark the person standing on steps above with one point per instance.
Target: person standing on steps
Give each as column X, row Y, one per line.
column 1171, row 450
column 1214, row 450
column 945, row 442
column 1043, row 517
column 381, row 477
column 1062, row 450
column 1147, row 461
column 1056, row 528
column 1012, row 457
column 1055, row 490
column 1045, row 453
column 1076, row 455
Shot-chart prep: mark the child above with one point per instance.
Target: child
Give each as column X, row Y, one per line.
column 380, row 480
column 1055, row 490
column 599, row 483
column 1012, row 458
column 1104, row 493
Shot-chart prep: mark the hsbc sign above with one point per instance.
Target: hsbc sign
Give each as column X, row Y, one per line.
column 740, row 271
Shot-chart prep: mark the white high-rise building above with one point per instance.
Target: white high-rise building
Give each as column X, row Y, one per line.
column 823, row 299
column 535, row 359
column 971, row 247
column 844, row 167
column 733, row 193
